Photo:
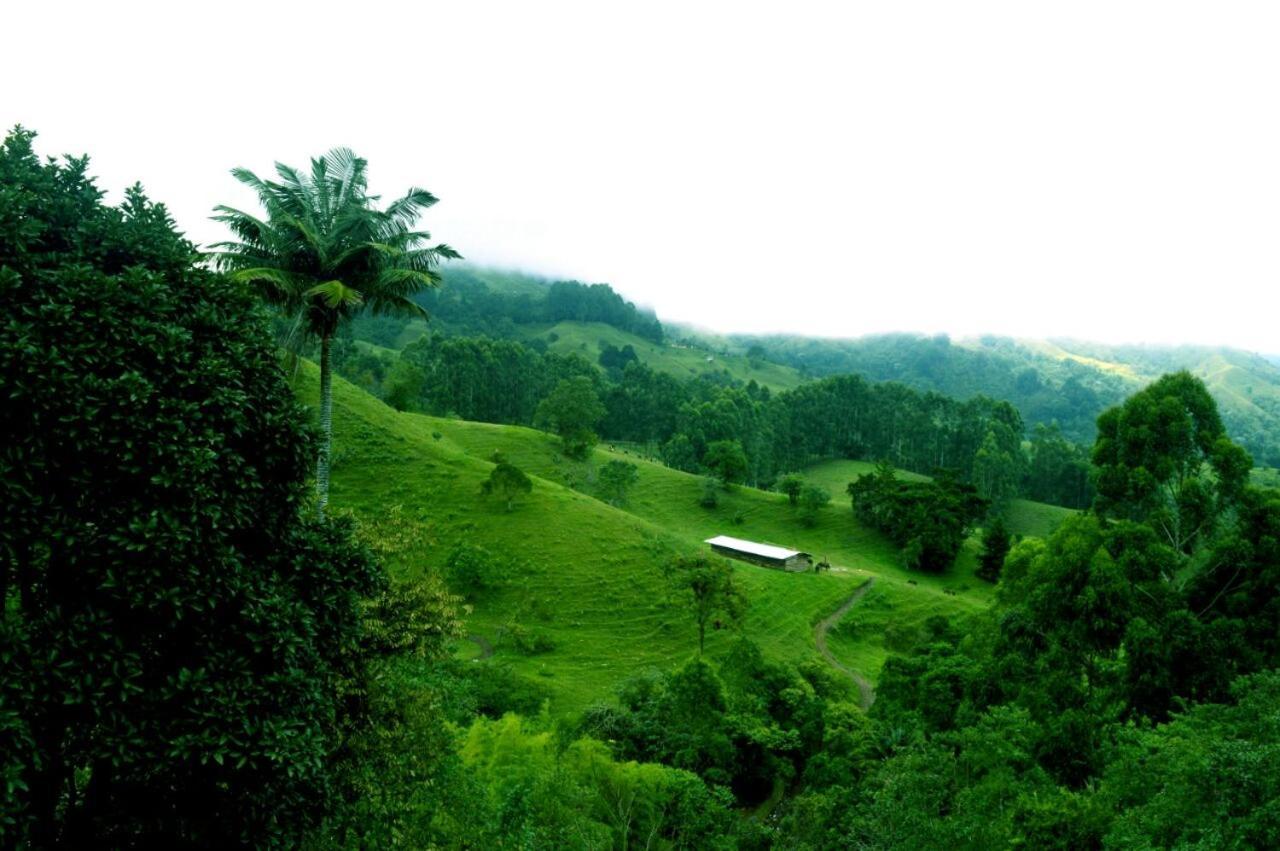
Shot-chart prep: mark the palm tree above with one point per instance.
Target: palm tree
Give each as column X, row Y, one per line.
column 323, row 252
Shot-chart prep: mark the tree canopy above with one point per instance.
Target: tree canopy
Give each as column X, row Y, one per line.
column 175, row 635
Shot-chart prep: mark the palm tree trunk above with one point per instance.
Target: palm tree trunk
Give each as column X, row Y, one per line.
column 326, row 426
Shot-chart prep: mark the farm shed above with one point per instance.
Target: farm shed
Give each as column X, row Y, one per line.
column 765, row 555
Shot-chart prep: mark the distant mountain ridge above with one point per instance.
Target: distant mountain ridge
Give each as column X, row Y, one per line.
column 1059, row 380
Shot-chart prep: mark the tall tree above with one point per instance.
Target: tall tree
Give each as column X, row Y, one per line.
column 1163, row 457
column 324, row 252
column 996, row 542
column 709, row 590
column 572, row 410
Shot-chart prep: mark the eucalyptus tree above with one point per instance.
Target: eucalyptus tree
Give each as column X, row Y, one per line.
column 323, row 251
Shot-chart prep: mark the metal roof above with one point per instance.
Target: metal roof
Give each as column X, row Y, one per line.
column 752, row 548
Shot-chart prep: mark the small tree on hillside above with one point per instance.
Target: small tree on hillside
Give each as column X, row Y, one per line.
column 616, row 478
column 996, row 542
column 506, row 481
column 812, row 500
column 707, row 588
column 791, row 484
column 571, row 411
column 727, row 461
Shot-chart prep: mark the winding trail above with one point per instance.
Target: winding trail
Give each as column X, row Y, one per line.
column 486, row 649
column 865, row 689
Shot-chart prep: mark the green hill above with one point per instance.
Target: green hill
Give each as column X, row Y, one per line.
column 682, row 361
column 585, row 591
column 1064, row 381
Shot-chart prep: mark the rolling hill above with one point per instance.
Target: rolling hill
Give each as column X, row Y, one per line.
column 583, row 604
column 682, row 361
column 584, row 577
column 1064, row 381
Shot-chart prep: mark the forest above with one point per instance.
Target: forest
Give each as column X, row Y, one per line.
column 275, row 576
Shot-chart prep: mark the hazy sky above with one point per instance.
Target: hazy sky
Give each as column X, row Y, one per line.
column 1105, row 170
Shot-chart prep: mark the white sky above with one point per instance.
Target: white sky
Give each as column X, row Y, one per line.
column 1103, row 170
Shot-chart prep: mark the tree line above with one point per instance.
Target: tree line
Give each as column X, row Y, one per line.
column 482, row 303
column 686, row 422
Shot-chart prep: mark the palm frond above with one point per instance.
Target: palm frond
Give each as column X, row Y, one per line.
column 335, row 295
column 407, row 209
column 397, row 305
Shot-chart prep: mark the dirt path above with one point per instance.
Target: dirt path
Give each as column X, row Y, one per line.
column 486, row 649
column 820, row 631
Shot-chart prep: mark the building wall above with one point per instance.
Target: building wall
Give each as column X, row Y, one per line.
column 795, row 564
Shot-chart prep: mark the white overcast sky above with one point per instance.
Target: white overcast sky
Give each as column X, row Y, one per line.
column 1103, row 170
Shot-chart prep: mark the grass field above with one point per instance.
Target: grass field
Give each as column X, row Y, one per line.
column 586, row 577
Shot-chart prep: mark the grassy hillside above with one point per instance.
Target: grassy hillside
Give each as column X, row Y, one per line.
column 586, row 580
column 585, row 338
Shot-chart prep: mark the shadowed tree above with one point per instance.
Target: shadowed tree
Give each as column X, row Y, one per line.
column 709, row 590
column 323, row 252
column 506, row 481
column 792, row 484
column 812, row 500
column 616, row 479
column 996, row 542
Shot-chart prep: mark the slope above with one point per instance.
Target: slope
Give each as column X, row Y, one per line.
column 584, row 604
column 681, row 361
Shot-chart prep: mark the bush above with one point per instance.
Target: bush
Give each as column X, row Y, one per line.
column 473, row 571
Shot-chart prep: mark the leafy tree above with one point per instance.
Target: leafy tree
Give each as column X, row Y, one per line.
column 506, row 481
column 1057, row 470
column 1237, row 592
column 1164, row 457
column 726, row 460
column 812, row 500
column 616, row 478
column 708, row 590
column 929, row 520
column 1210, row 778
column 792, row 484
column 571, row 411
column 404, row 385
column 996, row 542
column 324, row 253
column 710, row 496
column 473, row 570
column 679, row 453
column 182, row 647
column 997, row 468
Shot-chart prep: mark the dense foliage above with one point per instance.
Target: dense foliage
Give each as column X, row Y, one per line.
column 181, row 650
column 477, row 302
column 929, row 520
column 1063, row 382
